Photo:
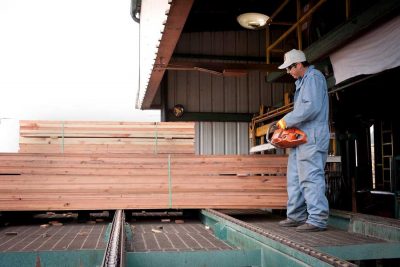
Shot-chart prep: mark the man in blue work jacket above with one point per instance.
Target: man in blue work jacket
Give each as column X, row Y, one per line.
column 307, row 207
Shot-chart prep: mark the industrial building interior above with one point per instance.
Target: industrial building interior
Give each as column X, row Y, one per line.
column 362, row 118
column 211, row 71
column 363, row 173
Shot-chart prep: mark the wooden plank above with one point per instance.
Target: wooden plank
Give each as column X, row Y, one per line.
column 131, row 181
column 107, row 141
column 137, row 149
column 106, row 137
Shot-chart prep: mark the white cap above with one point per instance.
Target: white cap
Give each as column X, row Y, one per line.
column 293, row 56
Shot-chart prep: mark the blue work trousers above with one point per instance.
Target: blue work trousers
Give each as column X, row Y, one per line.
column 306, row 183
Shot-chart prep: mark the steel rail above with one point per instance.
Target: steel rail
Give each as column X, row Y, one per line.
column 114, row 255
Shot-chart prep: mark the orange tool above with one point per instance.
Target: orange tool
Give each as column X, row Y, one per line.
column 290, row 137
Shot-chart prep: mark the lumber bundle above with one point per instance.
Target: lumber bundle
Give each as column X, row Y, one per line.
column 132, row 181
column 107, row 137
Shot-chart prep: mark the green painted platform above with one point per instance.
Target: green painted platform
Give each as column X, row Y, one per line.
column 236, row 239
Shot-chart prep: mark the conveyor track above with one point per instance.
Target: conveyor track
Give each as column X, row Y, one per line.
column 331, row 260
column 115, row 249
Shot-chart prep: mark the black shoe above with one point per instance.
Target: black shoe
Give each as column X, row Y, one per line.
column 289, row 223
column 309, row 228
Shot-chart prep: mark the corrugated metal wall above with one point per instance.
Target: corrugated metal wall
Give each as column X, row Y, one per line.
column 204, row 92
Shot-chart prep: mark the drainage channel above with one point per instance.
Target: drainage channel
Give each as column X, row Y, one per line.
column 221, row 221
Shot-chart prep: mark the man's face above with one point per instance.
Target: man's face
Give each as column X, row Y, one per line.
column 293, row 70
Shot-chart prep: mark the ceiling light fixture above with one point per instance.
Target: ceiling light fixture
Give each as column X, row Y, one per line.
column 252, row 21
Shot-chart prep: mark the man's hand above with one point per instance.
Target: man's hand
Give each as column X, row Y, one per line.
column 281, row 124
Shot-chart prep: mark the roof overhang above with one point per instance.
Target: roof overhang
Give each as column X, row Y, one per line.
column 174, row 18
column 157, row 57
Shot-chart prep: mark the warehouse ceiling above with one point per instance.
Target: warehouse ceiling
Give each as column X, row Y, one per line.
column 220, row 15
column 341, row 21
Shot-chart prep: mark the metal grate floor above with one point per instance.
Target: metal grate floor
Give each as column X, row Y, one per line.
column 54, row 238
column 331, row 237
column 155, row 235
column 188, row 236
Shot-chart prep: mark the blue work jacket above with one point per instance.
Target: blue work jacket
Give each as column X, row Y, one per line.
column 311, row 106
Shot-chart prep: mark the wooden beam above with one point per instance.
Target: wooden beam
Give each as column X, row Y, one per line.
column 277, row 11
column 212, row 116
column 219, row 68
column 374, row 16
column 294, row 26
column 347, row 32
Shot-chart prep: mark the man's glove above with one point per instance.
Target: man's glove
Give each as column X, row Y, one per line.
column 281, row 124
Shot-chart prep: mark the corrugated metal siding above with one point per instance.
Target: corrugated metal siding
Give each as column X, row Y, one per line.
column 203, row 92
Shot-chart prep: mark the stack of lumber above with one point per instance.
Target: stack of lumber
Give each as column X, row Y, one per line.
column 107, row 137
column 131, row 181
